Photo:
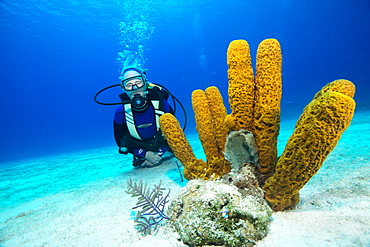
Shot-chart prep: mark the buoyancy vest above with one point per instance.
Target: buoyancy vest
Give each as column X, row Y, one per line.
column 156, row 97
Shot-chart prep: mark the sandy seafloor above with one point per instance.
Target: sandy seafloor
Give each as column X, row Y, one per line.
column 79, row 199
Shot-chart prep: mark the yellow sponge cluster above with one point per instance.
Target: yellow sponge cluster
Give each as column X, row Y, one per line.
column 255, row 105
column 210, row 113
column 255, row 102
column 315, row 136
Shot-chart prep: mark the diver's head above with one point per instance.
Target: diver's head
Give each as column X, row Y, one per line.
column 134, row 83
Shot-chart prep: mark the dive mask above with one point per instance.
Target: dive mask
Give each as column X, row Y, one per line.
column 133, row 83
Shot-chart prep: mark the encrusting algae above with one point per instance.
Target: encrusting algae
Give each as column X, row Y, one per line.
column 254, row 124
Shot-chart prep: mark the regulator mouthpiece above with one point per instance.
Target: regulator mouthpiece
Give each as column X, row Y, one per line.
column 139, row 103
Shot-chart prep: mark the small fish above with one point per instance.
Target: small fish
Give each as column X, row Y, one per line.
column 225, row 212
column 144, row 125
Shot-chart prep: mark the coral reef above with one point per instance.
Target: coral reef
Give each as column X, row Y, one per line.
column 233, row 209
column 315, row 136
column 255, row 105
column 217, row 213
column 230, row 211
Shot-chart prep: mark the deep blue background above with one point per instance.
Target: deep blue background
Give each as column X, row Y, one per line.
column 55, row 55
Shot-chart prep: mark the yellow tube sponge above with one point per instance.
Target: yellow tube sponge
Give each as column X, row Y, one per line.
column 204, row 124
column 210, row 113
column 180, row 146
column 219, row 113
column 268, row 93
column 343, row 86
column 316, row 135
column 241, row 86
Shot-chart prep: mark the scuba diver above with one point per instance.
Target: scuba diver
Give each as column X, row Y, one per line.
column 136, row 120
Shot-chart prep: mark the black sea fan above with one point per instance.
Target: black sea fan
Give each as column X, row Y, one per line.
column 152, row 204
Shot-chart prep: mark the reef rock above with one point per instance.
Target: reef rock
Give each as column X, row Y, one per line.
column 221, row 213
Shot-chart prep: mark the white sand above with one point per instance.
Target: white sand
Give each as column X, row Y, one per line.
column 79, row 199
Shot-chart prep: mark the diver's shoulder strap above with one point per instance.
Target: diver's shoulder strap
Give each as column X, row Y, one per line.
column 158, row 111
column 156, row 96
column 130, row 121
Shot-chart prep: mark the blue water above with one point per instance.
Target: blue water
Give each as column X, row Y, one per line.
column 55, row 55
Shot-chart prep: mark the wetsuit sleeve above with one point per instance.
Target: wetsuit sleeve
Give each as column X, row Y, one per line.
column 119, row 125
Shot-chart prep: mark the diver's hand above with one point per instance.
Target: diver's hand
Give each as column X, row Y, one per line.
column 153, row 157
column 147, row 163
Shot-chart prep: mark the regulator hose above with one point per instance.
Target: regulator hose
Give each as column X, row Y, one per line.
column 174, row 99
